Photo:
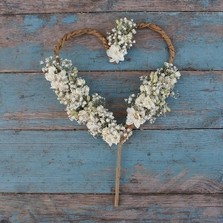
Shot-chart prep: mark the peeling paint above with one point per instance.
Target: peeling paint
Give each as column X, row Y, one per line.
column 69, row 19
column 32, row 23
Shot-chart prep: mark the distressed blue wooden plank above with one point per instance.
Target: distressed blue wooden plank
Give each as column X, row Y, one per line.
column 198, row 37
column 34, row 6
column 73, row 161
column 66, row 208
column 27, row 102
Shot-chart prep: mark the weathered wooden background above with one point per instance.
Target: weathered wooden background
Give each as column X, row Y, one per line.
column 52, row 170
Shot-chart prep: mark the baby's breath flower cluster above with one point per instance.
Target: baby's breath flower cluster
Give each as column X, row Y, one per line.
column 72, row 91
column 151, row 101
column 121, row 39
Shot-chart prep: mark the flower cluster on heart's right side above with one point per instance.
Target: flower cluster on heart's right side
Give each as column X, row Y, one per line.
column 73, row 92
column 120, row 39
column 150, row 102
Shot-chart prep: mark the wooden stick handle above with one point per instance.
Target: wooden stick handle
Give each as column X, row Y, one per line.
column 117, row 174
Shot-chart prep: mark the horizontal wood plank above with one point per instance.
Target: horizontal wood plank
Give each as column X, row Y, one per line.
column 154, row 161
column 49, row 6
column 27, row 39
column 27, row 102
column 66, row 208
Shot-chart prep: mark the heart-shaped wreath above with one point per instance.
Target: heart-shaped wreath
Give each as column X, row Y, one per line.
column 146, row 105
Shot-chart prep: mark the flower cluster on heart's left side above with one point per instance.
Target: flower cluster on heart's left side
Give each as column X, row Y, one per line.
column 120, row 39
column 73, row 92
column 150, row 102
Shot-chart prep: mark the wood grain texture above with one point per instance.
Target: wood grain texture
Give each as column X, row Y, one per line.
column 66, row 208
column 49, row 6
column 197, row 37
column 154, row 161
column 31, row 104
column 171, row 171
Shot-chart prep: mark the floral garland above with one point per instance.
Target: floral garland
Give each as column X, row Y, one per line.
column 87, row 109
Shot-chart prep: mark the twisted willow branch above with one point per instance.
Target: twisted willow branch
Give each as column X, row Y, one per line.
column 77, row 33
column 163, row 34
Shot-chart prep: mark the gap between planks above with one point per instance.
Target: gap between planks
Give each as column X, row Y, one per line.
column 111, row 194
column 187, row 71
column 85, row 129
column 101, row 12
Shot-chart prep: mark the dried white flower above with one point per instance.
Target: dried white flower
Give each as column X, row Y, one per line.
column 115, row 54
column 135, row 117
column 111, row 135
